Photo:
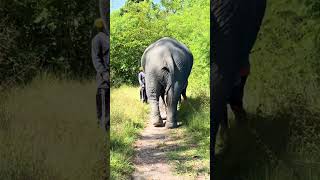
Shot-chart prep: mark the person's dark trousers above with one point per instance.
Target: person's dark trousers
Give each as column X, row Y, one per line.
column 103, row 107
column 143, row 94
column 145, row 98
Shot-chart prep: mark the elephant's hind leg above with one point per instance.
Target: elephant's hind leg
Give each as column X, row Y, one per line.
column 153, row 95
column 155, row 114
column 172, row 99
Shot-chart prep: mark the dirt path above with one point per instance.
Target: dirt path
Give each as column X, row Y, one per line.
column 151, row 162
column 151, row 159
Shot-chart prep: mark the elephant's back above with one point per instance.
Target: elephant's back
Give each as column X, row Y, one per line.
column 156, row 56
column 181, row 55
column 232, row 15
column 239, row 20
column 167, row 46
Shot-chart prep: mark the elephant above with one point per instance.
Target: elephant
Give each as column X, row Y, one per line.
column 167, row 64
column 234, row 28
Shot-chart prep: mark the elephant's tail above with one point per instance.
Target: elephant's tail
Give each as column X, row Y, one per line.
column 169, row 66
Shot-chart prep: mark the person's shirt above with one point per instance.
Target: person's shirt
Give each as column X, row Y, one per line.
column 100, row 58
column 100, row 52
column 141, row 78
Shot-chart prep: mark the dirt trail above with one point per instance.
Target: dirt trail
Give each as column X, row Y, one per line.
column 151, row 160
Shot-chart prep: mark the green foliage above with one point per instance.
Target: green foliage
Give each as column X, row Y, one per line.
column 131, row 33
column 313, row 7
column 137, row 25
column 194, row 32
column 285, row 59
column 46, row 35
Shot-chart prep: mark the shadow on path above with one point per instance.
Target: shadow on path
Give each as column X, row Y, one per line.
column 259, row 150
column 151, row 160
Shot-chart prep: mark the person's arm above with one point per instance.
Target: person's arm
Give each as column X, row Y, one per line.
column 140, row 79
column 106, row 76
column 96, row 60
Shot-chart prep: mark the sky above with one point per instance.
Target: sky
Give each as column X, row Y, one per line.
column 117, row 4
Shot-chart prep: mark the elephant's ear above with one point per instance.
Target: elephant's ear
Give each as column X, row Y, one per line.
column 169, row 66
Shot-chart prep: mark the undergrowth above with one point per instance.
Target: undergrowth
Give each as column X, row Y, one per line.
column 48, row 130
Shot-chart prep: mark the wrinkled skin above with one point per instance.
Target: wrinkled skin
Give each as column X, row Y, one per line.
column 234, row 28
column 167, row 65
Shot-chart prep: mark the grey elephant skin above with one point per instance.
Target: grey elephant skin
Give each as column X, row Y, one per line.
column 234, row 28
column 167, row 64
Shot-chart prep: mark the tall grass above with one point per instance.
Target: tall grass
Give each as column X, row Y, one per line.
column 48, row 130
column 128, row 117
column 193, row 155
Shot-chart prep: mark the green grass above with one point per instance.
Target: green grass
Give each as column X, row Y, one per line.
column 128, row 117
column 193, row 155
column 48, row 130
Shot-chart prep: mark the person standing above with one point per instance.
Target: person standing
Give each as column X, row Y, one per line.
column 143, row 93
column 100, row 59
